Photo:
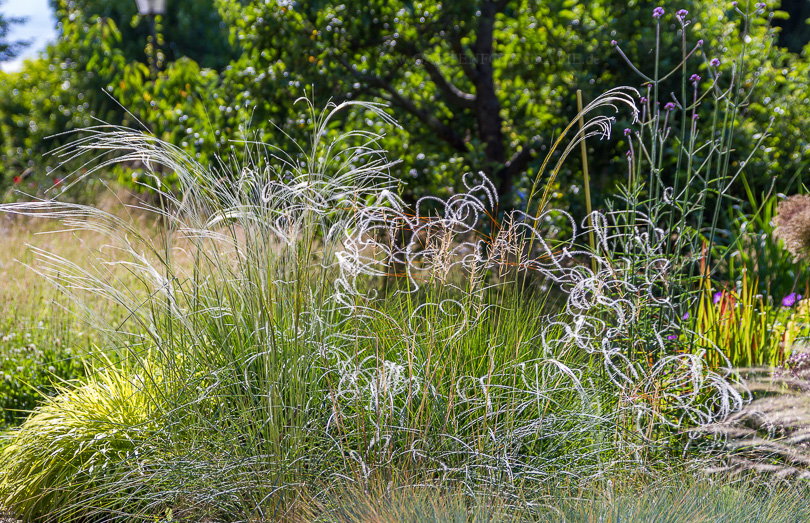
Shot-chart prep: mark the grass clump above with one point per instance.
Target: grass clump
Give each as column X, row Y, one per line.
column 74, row 443
column 306, row 324
column 680, row 497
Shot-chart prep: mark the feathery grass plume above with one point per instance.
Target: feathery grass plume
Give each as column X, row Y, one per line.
column 771, row 435
column 792, row 223
column 306, row 325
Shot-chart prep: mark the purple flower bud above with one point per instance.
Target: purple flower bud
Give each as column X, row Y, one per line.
column 700, row 43
column 672, row 337
column 715, row 62
column 627, row 132
column 694, row 78
column 695, row 117
column 685, row 316
column 791, row 299
column 643, row 99
column 761, row 5
column 717, row 296
column 658, row 12
column 669, row 106
column 614, row 43
column 733, row 4
column 682, row 14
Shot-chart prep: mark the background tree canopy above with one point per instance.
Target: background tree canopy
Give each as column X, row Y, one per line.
column 484, row 85
column 9, row 49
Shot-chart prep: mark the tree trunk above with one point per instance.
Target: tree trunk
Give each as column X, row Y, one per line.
column 487, row 105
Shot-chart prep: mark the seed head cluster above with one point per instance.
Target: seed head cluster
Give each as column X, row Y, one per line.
column 792, row 223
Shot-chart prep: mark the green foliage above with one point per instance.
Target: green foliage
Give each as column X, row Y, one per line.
column 421, row 59
column 191, row 28
column 96, row 68
column 52, row 95
column 430, row 61
column 261, row 354
column 175, row 107
column 756, row 252
column 768, row 138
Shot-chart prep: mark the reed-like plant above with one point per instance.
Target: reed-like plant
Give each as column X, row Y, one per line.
column 752, row 331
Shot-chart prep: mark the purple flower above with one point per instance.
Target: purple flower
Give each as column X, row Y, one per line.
column 614, row 43
column 791, row 299
column 672, row 337
column 685, row 316
column 694, row 78
column 715, row 62
column 643, row 99
column 717, row 296
column 658, row 12
column 682, row 14
column 695, row 116
column 761, row 5
column 733, row 4
column 700, row 43
column 627, row 132
column 670, row 106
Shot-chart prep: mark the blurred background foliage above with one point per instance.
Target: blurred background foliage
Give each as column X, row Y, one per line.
column 482, row 85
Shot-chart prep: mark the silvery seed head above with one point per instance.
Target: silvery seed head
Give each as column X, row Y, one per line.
column 793, row 225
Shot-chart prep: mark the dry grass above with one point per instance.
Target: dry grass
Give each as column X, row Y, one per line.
column 771, row 435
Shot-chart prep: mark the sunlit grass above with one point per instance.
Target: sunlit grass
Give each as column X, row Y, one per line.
column 296, row 321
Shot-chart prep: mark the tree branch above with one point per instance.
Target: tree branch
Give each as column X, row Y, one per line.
column 463, row 58
column 454, row 96
column 488, row 106
column 442, row 130
column 518, row 162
